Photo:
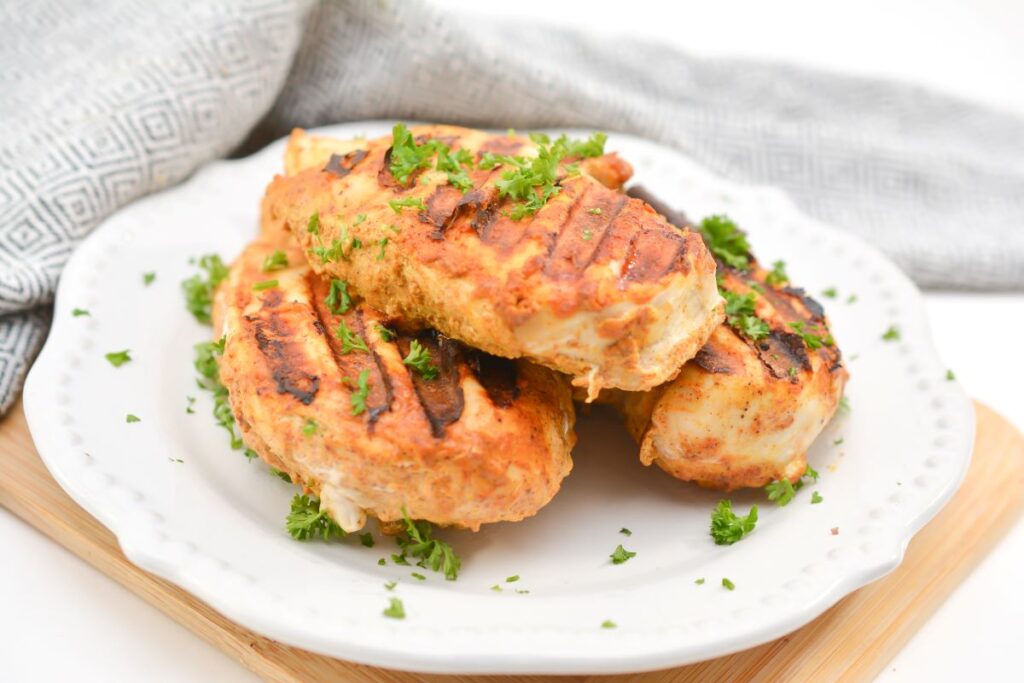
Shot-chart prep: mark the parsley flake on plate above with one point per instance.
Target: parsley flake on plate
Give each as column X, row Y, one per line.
column 620, row 555
column 512, row 579
column 625, row 532
column 816, row 498
column 608, row 623
column 433, row 553
column 395, row 609
column 390, row 585
column 118, row 358
column 729, row 585
column 198, row 290
column 79, row 312
column 700, row 581
column 147, row 278
column 132, row 418
column 418, row 576
column 891, row 334
column 780, row 491
column 307, row 521
column 367, row 540
column 950, row 376
column 830, row 293
column 728, row 528
column 496, row 588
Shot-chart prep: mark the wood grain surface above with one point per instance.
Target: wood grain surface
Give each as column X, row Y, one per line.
column 852, row 641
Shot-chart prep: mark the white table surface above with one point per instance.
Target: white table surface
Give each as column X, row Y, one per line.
column 61, row 620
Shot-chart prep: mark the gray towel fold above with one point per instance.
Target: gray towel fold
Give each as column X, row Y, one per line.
column 104, row 102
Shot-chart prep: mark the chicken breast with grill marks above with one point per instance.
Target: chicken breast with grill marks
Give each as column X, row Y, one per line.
column 486, row 440
column 595, row 284
column 744, row 411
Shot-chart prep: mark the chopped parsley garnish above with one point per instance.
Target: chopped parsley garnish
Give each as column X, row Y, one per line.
column 512, row 579
column 390, row 585
column 399, row 559
column 532, row 181
column 331, row 254
column 276, row 261
column 809, row 473
column 78, row 312
column 147, row 278
column 700, row 581
column 283, row 476
column 496, row 588
column 408, row 203
column 596, row 211
column 361, row 218
column 265, row 284
column 588, row 234
column 728, row 528
column 728, row 584
column 418, row 358
column 851, row 299
column 350, row 341
column 777, row 276
column 382, row 562
column 816, row 498
column 608, row 623
column 132, row 418
column 118, row 358
column 395, row 609
column 739, row 313
column 726, row 241
column 620, row 555
column 844, row 404
column 359, row 396
column 309, row 428
column 189, row 409
column 367, row 539
column 418, row 576
column 837, row 441
column 407, row 156
column 810, row 335
column 209, row 380
column 385, row 333
column 950, row 376
column 199, row 290
column 382, row 243
column 781, row 492
column 337, row 300
column 831, row 293
column 433, row 554
column 892, row 334
column 625, row 532
column 313, row 226
column 306, row 520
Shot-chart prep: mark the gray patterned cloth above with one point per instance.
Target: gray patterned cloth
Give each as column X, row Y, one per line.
column 104, row 101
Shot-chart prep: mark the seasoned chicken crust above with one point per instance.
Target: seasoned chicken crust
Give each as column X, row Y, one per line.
column 487, row 440
column 596, row 284
column 743, row 412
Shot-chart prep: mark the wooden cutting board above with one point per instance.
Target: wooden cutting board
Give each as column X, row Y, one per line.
column 853, row 641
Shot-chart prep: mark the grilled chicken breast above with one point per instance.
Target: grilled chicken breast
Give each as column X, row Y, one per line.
column 744, row 411
column 324, row 395
column 595, row 284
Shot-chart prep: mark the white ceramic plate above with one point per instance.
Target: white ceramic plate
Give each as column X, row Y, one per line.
column 213, row 523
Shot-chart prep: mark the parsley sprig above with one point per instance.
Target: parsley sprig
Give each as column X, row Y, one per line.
column 728, row 528
column 739, row 313
column 350, row 341
column 338, row 300
column 814, row 336
column 307, row 521
column 418, row 358
column 418, row 541
column 726, row 241
column 199, row 290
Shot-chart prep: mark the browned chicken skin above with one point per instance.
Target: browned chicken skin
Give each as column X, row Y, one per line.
column 596, row 284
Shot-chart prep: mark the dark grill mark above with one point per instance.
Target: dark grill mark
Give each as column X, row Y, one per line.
column 272, row 334
column 813, row 307
column 573, row 251
column 780, row 351
column 442, row 209
column 653, row 252
column 342, row 164
column 676, row 218
column 441, row 398
column 351, row 364
column 498, row 376
column 500, row 144
column 711, row 360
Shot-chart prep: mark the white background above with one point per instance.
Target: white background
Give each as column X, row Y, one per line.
column 62, row 620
